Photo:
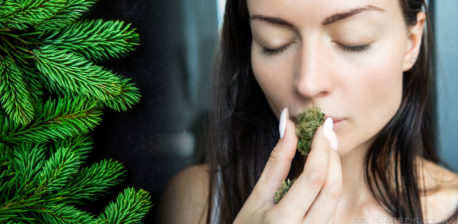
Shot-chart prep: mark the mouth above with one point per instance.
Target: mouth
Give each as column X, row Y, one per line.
column 337, row 121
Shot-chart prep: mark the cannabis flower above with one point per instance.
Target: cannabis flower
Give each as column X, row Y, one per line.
column 306, row 125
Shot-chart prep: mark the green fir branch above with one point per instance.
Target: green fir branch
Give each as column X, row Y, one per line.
column 62, row 213
column 71, row 73
column 68, row 73
column 14, row 95
column 45, row 52
column 91, row 182
column 80, row 145
column 128, row 96
column 28, row 159
column 6, row 169
column 129, row 207
column 58, row 170
column 56, row 119
column 97, row 40
column 21, row 15
column 67, row 15
column 67, row 214
column 34, row 84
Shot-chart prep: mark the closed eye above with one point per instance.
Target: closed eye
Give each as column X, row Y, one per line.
column 274, row 51
column 344, row 48
column 354, row 49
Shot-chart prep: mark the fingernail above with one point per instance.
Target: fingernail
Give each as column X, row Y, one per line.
column 329, row 133
column 282, row 125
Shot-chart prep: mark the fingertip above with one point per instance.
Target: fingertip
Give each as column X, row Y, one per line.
column 290, row 133
column 284, row 116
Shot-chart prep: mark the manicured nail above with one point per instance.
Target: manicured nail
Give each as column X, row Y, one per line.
column 282, row 125
column 329, row 133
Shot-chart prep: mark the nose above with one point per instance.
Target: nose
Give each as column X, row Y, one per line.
column 313, row 76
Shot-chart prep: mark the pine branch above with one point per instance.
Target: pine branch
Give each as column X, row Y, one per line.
column 21, row 15
column 80, row 145
column 31, row 190
column 34, row 83
column 15, row 98
column 72, row 73
column 27, row 162
column 97, row 40
column 56, row 119
column 69, row 73
column 129, row 207
column 93, row 181
column 129, row 96
column 58, row 170
column 44, row 51
column 6, row 169
column 62, row 213
column 72, row 11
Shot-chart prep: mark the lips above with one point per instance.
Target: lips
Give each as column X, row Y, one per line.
column 337, row 122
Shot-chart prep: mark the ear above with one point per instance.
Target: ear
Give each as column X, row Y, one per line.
column 414, row 42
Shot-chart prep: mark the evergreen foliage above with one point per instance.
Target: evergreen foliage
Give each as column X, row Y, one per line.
column 52, row 93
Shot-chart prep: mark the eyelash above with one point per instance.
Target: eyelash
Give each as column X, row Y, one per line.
column 350, row 49
column 269, row 51
column 354, row 49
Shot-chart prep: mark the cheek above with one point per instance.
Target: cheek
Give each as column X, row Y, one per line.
column 375, row 93
column 273, row 79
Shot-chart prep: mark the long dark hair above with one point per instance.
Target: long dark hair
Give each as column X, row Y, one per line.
column 243, row 129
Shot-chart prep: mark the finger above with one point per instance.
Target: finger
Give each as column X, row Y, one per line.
column 325, row 206
column 305, row 189
column 279, row 163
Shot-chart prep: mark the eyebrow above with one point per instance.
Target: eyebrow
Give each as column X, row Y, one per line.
column 329, row 20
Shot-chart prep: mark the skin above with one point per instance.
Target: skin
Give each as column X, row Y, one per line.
column 364, row 88
column 361, row 89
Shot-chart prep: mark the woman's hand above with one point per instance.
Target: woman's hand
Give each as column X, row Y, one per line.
column 314, row 196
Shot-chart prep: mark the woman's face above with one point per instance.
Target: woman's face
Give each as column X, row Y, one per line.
column 347, row 57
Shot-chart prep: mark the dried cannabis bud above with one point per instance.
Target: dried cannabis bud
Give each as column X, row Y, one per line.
column 306, row 125
column 283, row 189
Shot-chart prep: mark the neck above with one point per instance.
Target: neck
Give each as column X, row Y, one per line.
column 356, row 199
column 355, row 188
column 357, row 202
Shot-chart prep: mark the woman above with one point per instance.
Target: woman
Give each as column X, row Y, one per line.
column 366, row 64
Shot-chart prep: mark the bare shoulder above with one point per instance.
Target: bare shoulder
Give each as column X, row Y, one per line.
column 186, row 196
column 441, row 200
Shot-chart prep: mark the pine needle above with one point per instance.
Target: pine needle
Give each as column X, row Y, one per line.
column 68, row 14
column 97, row 40
column 74, row 74
column 56, row 172
column 56, row 119
column 15, row 98
column 23, row 14
column 91, row 182
column 129, row 207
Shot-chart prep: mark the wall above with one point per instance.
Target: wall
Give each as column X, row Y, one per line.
column 446, row 26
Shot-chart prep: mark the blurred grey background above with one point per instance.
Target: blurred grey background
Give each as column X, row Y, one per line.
column 446, row 27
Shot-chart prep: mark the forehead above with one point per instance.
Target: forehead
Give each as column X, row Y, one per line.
column 313, row 12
